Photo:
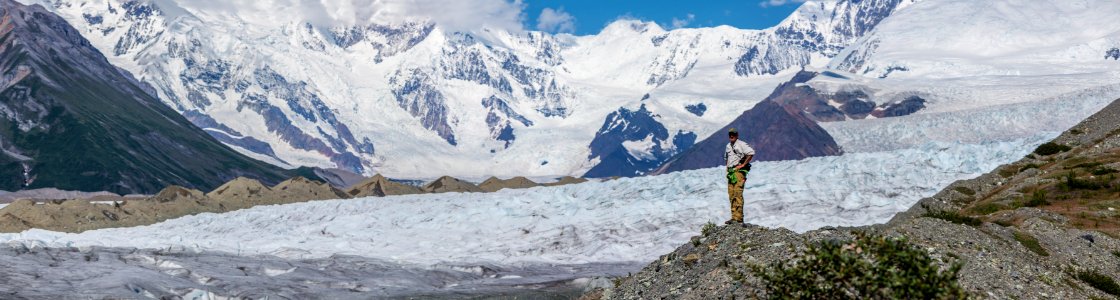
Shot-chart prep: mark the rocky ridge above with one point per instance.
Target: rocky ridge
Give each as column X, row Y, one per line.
column 77, row 215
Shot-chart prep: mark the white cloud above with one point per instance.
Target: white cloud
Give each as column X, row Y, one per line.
column 459, row 15
column 769, row 3
column 681, row 23
column 556, row 20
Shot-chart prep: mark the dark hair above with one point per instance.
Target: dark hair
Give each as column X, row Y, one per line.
column 734, row 134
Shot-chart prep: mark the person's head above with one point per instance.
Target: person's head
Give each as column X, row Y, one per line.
column 732, row 135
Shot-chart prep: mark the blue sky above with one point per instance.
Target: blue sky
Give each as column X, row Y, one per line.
column 583, row 17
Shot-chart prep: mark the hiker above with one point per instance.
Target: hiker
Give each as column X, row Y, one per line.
column 738, row 156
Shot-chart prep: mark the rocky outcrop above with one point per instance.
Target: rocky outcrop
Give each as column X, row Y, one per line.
column 841, row 105
column 566, row 180
column 630, row 143
column 493, row 184
column 1042, row 227
column 243, row 190
column 448, row 184
column 79, row 215
column 303, row 189
column 379, row 186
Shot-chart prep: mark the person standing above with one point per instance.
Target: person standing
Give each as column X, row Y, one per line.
column 738, row 155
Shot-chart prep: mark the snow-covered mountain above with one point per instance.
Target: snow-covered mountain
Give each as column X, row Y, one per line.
column 413, row 99
column 989, row 38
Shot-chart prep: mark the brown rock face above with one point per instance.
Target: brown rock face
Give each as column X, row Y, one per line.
column 379, row 186
column 775, row 131
column 242, row 190
column 448, row 184
column 172, row 202
column 494, row 184
column 305, row 189
column 567, row 180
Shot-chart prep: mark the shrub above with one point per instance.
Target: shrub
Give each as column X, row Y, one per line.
column 1104, row 171
column 868, row 268
column 708, row 229
column 1031, row 243
column 953, row 216
column 1101, row 282
column 1074, row 183
column 1051, row 148
column 1038, row 198
column 1028, row 167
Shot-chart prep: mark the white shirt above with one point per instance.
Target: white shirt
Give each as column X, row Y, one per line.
column 734, row 153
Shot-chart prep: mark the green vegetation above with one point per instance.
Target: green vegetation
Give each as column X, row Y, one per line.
column 1038, row 198
column 954, row 217
column 1084, row 165
column 1099, row 281
column 1072, row 182
column 870, row 267
column 1031, row 243
column 708, row 229
column 1103, row 171
column 986, row 208
column 1051, row 148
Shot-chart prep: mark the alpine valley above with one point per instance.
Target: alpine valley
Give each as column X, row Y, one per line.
column 863, row 112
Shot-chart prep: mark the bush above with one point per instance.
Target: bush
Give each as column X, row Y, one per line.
column 1100, row 282
column 1074, row 183
column 708, row 229
column 868, row 268
column 1038, row 198
column 1104, row 171
column 1050, row 149
column 954, row 217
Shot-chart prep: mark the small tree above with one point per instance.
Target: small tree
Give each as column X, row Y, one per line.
column 868, row 268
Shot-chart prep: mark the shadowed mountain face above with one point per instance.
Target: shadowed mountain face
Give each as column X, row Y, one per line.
column 776, row 131
column 69, row 119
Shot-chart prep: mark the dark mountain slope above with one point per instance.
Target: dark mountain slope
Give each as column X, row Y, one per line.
column 776, row 131
column 69, row 119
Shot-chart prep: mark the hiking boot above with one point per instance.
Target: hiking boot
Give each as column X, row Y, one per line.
column 729, row 222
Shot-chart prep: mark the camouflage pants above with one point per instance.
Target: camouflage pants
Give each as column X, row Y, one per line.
column 735, row 193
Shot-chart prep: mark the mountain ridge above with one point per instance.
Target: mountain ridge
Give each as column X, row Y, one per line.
column 375, row 83
column 74, row 121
